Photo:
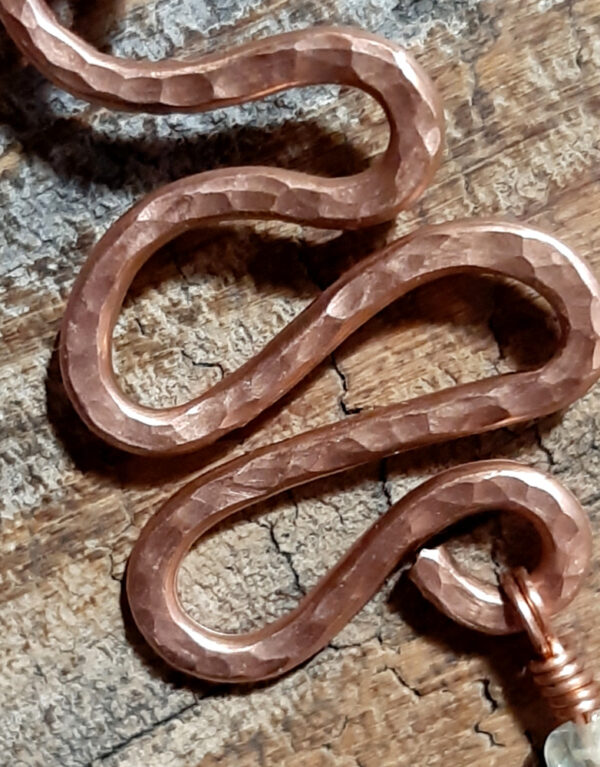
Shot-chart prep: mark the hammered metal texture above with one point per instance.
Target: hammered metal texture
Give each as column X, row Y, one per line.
column 397, row 178
column 509, row 250
column 322, row 55
column 343, row 56
column 442, row 501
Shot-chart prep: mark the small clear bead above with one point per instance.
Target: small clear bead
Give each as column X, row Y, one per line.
column 572, row 745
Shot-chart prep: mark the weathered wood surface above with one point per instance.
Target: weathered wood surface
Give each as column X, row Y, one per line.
column 400, row 685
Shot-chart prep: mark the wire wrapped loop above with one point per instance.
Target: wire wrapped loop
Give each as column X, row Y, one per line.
column 569, row 688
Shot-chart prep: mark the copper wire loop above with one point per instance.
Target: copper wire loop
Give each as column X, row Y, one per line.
column 277, row 647
column 393, row 181
column 569, row 688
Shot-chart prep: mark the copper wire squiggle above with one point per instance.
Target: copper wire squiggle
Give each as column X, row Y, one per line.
column 392, row 182
column 423, row 513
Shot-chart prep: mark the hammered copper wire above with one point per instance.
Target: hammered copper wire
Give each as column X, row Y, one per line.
column 479, row 247
column 500, row 249
column 425, row 512
column 321, row 55
column 388, row 73
column 569, row 688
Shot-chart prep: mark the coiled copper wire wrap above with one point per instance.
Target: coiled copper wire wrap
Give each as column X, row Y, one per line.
column 568, row 687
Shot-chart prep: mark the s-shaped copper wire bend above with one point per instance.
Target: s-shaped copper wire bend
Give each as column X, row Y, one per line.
column 385, row 71
column 513, row 251
column 320, row 55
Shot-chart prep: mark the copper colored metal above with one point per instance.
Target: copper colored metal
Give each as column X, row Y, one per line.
column 508, row 250
column 483, row 247
column 322, row 55
column 442, row 501
column 385, row 71
column 394, row 180
column 570, row 690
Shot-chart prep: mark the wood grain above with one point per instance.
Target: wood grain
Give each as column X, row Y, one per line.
column 400, row 685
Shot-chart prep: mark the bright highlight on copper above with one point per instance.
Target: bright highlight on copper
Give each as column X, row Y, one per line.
column 394, row 180
column 321, row 55
column 425, row 512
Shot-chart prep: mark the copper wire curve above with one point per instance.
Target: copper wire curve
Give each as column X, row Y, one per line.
column 395, row 180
